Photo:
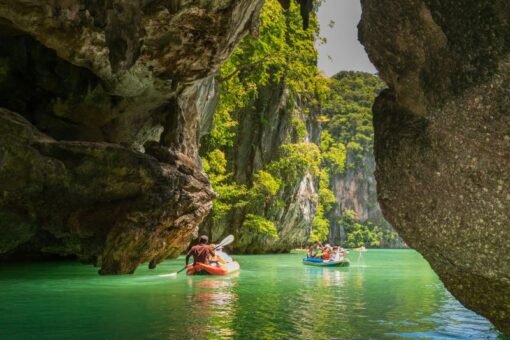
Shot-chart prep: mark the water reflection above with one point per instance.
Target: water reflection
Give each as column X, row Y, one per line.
column 396, row 295
column 325, row 276
column 213, row 303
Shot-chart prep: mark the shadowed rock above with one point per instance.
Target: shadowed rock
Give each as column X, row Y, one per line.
column 91, row 83
column 442, row 139
column 102, row 202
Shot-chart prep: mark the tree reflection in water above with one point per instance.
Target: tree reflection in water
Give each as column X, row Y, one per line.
column 213, row 303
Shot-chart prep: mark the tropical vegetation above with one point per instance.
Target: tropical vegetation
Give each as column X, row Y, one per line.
column 284, row 54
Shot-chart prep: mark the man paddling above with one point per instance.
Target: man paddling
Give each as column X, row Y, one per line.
column 201, row 252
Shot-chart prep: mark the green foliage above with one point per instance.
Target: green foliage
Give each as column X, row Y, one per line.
column 320, row 226
column 300, row 128
column 230, row 195
column 348, row 112
column 260, row 225
column 259, row 62
column 326, row 140
column 215, row 164
column 282, row 54
column 326, row 196
column 265, row 185
column 347, row 137
column 360, row 234
column 334, row 157
column 222, row 133
column 296, row 160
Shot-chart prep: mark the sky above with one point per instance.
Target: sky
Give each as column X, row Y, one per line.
column 342, row 50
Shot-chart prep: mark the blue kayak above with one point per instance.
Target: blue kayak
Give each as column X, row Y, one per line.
column 313, row 261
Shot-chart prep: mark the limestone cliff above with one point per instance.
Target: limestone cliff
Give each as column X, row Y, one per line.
column 355, row 189
column 442, row 141
column 264, row 126
column 347, row 138
column 89, row 86
column 261, row 150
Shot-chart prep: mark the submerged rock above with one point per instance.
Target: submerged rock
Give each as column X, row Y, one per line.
column 442, row 140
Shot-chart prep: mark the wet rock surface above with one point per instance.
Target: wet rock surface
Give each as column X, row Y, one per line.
column 85, row 85
column 105, row 203
column 442, row 140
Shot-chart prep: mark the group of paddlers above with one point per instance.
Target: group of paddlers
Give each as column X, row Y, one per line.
column 326, row 252
column 207, row 253
column 213, row 255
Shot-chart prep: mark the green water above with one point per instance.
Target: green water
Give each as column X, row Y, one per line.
column 384, row 294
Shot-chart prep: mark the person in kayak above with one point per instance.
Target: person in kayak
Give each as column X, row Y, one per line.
column 339, row 252
column 221, row 258
column 326, row 252
column 224, row 256
column 315, row 250
column 201, row 252
column 216, row 259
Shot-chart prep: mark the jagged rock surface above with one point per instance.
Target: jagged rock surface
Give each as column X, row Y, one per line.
column 442, row 140
column 264, row 126
column 92, row 199
column 356, row 190
column 95, row 81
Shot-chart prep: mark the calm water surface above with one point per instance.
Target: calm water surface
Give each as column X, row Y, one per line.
column 384, row 294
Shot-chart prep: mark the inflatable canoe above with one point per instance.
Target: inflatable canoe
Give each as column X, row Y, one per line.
column 312, row 261
column 206, row 269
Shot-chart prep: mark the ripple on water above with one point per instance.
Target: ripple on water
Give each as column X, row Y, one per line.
column 387, row 294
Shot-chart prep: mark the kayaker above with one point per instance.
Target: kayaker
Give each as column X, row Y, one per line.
column 315, row 250
column 339, row 252
column 201, row 252
column 216, row 259
column 224, row 256
column 326, row 252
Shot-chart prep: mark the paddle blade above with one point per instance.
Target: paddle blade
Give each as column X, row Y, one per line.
column 227, row 240
column 168, row 275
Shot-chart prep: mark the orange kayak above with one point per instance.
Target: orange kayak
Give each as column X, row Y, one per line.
column 206, row 269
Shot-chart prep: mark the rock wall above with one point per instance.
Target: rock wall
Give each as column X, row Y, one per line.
column 93, row 85
column 356, row 190
column 442, row 141
column 264, row 126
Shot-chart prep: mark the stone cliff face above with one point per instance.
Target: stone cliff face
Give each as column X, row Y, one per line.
column 104, row 103
column 356, row 190
column 90, row 85
column 264, row 126
column 262, row 154
column 442, row 141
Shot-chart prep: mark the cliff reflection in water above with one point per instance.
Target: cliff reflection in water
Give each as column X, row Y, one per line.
column 213, row 303
column 393, row 294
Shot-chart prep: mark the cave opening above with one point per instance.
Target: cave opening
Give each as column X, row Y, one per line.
column 50, row 92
